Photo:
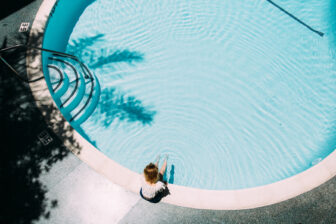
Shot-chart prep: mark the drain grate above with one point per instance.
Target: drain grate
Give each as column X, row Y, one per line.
column 45, row 138
column 24, row 27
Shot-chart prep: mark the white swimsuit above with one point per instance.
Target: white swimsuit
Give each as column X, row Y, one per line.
column 149, row 191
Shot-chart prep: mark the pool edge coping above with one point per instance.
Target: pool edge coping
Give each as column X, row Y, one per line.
column 179, row 195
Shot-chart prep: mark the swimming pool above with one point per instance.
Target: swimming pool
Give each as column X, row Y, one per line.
column 238, row 93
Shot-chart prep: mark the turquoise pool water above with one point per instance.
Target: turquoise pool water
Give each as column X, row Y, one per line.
column 237, row 93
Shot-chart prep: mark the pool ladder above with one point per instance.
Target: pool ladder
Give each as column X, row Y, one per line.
column 73, row 87
column 76, row 93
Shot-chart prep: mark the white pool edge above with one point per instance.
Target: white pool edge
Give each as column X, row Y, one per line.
column 179, row 195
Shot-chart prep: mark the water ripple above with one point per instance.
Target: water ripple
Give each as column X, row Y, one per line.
column 244, row 95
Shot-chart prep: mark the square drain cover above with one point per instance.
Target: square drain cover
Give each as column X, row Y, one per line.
column 24, row 27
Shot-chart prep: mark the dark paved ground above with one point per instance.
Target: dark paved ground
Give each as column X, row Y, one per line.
column 26, row 151
column 10, row 25
column 24, row 158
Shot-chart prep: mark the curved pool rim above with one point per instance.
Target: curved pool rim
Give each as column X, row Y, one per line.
column 179, row 195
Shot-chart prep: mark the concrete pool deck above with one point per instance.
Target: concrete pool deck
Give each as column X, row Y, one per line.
column 85, row 196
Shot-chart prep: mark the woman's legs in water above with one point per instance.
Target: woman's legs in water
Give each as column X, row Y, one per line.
column 157, row 159
column 164, row 166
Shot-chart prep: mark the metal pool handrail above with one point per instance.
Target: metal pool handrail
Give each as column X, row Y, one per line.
column 89, row 97
column 87, row 73
column 83, row 67
column 77, row 79
column 59, row 83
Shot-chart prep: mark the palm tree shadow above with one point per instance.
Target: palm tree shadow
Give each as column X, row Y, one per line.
column 82, row 47
column 116, row 105
column 97, row 57
column 118, row 56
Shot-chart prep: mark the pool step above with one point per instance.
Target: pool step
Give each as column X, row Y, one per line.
column 59, row 83
column 75, row 90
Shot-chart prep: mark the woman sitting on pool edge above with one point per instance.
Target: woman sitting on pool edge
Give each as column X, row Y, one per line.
column 153, row 188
